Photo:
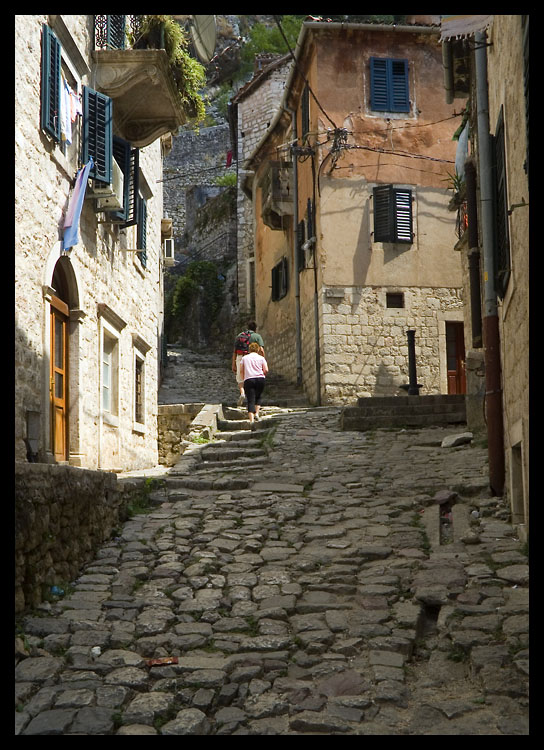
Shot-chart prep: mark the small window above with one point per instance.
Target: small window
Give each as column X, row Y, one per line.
column 394, row 299
column 280, row 280
column 392, row 214
column 110, row 374
column 389, row 85
column 139, row 369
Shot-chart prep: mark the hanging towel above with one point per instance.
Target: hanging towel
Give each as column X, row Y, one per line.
column 65, row 107
column 71, row 222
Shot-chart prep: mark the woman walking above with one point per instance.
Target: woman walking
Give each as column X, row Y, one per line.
column 253, row 368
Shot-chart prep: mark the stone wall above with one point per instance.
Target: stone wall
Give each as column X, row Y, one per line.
column 62, row 515
column 174, row 421
column 365, row 350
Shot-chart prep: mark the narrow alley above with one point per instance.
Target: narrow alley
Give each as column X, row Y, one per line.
column 296, row 579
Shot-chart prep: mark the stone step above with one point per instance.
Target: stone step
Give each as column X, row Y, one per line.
column 220, row 453
column 442, row 398
column 362, row 423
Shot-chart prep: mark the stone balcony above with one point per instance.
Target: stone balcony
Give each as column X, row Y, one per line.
column 147, row 103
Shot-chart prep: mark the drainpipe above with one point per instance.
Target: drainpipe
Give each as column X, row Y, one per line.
column 295, row 255
column 494, row 417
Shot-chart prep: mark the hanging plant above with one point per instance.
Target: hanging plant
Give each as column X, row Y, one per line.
column 163, row 32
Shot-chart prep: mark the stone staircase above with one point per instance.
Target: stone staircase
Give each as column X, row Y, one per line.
column 404, row 411
column 280, row 392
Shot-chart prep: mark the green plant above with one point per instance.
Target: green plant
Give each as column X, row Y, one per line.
column 200, row 276
column 163, row 32
column 226, row 180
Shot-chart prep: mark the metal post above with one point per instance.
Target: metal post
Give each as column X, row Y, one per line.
column 413, row 388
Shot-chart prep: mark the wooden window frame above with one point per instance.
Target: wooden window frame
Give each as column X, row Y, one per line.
column 393, row 214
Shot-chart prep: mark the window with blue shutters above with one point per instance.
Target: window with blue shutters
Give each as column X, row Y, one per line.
column 392, row 214
column 389, row 90
column 500, row 204
column 97, row 134
column 50, row 83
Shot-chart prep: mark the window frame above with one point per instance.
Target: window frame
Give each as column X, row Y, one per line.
column 110, row 349
column 280, row 280
column 138, row 403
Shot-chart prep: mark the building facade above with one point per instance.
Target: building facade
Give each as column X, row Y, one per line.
column 88, row 310
column 486, row 64
column 353, row 238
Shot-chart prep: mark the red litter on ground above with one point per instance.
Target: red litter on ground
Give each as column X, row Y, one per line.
column 163, row 661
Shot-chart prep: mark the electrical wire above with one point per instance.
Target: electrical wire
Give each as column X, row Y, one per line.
column 297, row 66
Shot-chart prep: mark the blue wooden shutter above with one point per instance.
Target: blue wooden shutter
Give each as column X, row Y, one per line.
column 51, row 83
column 97, row 134
column 389, row 90
column 142, row 230
column 399, row 99
column 133, row 188
column 379, row 99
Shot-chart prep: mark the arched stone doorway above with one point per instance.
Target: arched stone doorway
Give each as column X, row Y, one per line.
column 62, row 345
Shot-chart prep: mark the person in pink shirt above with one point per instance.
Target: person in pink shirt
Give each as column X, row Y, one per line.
column 253, row 368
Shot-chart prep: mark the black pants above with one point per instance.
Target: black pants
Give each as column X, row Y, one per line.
column 253, row 388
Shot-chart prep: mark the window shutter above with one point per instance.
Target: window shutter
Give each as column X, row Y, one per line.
column 284, row 276
column 97, row 133
column 142, row 230
column 392, row 214
column 301, row 231
column 403, row 215
column 389, row 91
column 51, row 83
column 502, row 239
column 133, row 188
column 378, row 84
column 383, row 227
column 121, row 154
column 399, row 100
column 116, row 32
column 305, row 111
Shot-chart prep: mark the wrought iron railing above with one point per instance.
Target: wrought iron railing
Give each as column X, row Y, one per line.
column 116, row 32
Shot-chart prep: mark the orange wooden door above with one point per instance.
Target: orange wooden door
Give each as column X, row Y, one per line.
column 59, row 379
column 455, row 349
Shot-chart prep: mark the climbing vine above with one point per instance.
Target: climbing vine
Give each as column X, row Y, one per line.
column 200, row 277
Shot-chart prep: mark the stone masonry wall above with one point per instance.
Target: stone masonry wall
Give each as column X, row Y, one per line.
column 366, row 349
column 173, row 423
column 62, row 515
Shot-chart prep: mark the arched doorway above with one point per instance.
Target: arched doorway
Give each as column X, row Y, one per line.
column 59, row 363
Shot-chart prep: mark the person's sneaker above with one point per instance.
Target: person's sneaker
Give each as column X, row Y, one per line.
column 241, row 400
column 257, row 418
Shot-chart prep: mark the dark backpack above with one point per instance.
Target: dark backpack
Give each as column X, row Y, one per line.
column 242, row 341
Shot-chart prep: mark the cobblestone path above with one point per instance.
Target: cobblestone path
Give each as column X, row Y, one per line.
column 295, row 580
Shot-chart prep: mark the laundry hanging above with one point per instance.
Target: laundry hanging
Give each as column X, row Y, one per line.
column 71, row 222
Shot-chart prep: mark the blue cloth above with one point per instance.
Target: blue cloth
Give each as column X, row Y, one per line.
column 71, row 222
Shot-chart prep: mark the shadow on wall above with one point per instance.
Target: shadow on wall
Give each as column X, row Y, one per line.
column 29, row 379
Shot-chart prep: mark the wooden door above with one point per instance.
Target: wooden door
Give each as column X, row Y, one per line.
column 455, row 352
column 58, row 381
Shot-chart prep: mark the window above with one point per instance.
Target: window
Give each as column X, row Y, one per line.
column 389, row 85
column 394, row 299
column 392, row 214
column 110, row 376
column 280, row 280
column 502, row 238
column 139, row 371
column 301, row 238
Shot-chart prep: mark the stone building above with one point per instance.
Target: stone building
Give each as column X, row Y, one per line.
column 89, row 309
column 353, row 240
column 486, row 64
column 251, row 112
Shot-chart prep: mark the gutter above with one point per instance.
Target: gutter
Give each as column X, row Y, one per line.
column 493, row 395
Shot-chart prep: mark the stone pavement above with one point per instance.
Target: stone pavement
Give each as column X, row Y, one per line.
column 297, row 580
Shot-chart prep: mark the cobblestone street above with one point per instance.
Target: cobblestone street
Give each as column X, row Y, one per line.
column 294, row 579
